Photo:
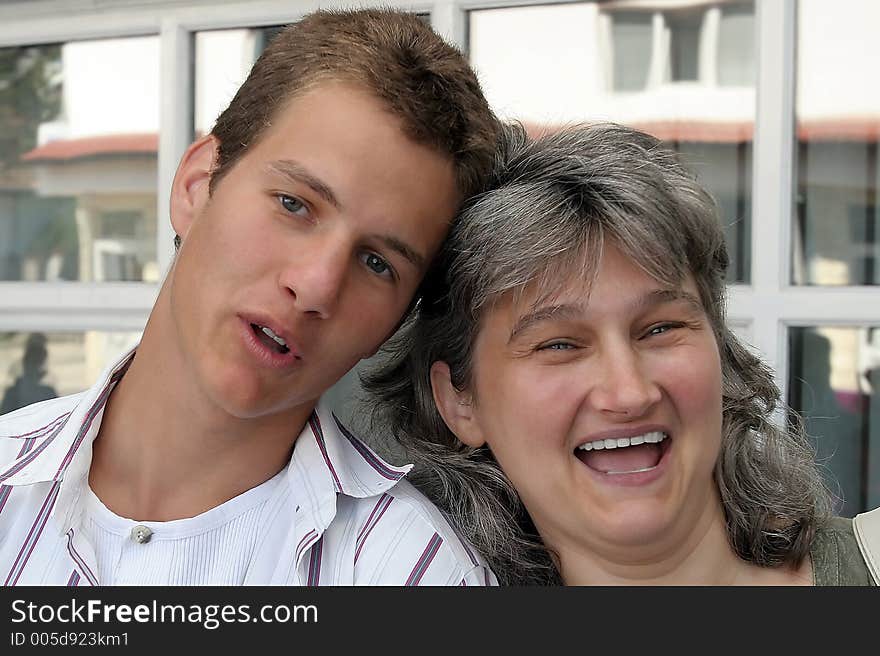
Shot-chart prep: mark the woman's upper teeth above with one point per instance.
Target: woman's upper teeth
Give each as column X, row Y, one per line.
column 268, row 331
column 653, row 437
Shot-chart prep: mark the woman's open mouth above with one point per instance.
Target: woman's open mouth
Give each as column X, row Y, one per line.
column 624, row 455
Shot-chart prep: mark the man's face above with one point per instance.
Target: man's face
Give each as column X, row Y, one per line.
column 308, row 252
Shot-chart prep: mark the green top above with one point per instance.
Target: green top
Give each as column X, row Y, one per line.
column 836, row 556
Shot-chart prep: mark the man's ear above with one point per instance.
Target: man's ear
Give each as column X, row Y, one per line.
column 189, row 191
column 456, row 407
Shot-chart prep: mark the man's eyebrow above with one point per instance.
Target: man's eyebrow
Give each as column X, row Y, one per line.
column 408, row 252
column 298, row 173
column 573, row 310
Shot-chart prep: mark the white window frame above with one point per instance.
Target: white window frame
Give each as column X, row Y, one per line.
column 763, row 310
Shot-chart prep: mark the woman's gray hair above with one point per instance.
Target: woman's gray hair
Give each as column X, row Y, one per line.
column 551, row 205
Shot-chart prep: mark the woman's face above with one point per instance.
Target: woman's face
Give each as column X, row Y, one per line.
column 603, row 407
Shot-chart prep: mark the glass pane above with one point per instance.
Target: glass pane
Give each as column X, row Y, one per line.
column 631, row 49
column 223, row 59
column 736, row 46
column 685, row 28
column 836, row 213
column 834, row 382
column 37, row 366
column 686, row 75
column 79, row 129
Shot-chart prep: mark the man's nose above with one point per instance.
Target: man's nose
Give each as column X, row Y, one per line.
column 316, row 275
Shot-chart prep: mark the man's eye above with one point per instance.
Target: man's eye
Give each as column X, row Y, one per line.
column 292, row 205
column 376, row 264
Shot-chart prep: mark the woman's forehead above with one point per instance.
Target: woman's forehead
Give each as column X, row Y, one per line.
column 565, row 291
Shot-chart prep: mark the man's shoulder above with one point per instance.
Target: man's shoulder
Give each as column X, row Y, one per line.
column 33, row 422
column 405, row 522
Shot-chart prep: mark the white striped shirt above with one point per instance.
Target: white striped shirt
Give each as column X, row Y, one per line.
column 342, row 516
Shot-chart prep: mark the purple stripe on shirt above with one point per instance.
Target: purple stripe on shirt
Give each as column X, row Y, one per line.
column 384, row 501
column 6, row 490
column 45, row 428
column 465, row 546
column 73, row 581
column 372, row 514
column 315, row 423
column 86, row 570
column 305, row 542
column 33, row 536
column 32, row 455
column 90, row 417
column 425, row 560
column 368, row 455
column 315, row 563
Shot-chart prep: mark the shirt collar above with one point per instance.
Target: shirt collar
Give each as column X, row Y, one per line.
column 65, row 443
column 327, row 458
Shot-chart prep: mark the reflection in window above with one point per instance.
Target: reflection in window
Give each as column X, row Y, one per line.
column 36, row 366
column 684, row 75
column 683, row 29
column 78, row 140
column 631, row 38
column 836, row 211
column 834, row 382
column 223, row 59
column 736, row 46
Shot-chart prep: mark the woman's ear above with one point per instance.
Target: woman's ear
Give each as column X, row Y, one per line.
column 189, row 190
column 455, row 407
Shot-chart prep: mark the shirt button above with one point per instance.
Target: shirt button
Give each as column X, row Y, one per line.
column 141, row 534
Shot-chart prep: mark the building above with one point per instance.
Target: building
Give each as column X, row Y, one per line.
column 769, row 100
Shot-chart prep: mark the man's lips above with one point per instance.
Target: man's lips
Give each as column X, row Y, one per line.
column 273, row 334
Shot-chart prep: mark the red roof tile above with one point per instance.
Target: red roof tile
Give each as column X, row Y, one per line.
column 115, row 144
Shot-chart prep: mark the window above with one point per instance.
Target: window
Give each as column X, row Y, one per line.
column 838, row 121
column 631, row 39
column 835, row 384
column 653, row 68
column 36, row 366
column 80, row 126
column 683, row 31
column 84, row 242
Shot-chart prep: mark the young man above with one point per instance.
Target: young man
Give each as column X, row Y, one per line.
column 306, row 221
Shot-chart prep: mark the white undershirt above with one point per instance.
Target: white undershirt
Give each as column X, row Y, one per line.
column 214, row 548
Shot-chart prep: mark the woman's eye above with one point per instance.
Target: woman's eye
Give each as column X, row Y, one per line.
column 292, row 205
column 662, row 329
column 376, row 264
column 557, row 346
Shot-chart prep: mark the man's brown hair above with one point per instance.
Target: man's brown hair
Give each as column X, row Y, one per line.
column 425, row 82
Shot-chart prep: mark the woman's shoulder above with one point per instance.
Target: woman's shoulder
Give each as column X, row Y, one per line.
column 837, row 559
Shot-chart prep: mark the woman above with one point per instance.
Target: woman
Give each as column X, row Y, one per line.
column 573, row 396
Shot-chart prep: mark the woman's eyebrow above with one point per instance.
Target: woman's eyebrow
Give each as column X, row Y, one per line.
column 668, row 295
column 565, row 311
column 544, row 313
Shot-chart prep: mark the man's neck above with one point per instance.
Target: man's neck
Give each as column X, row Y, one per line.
column 164, row 451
